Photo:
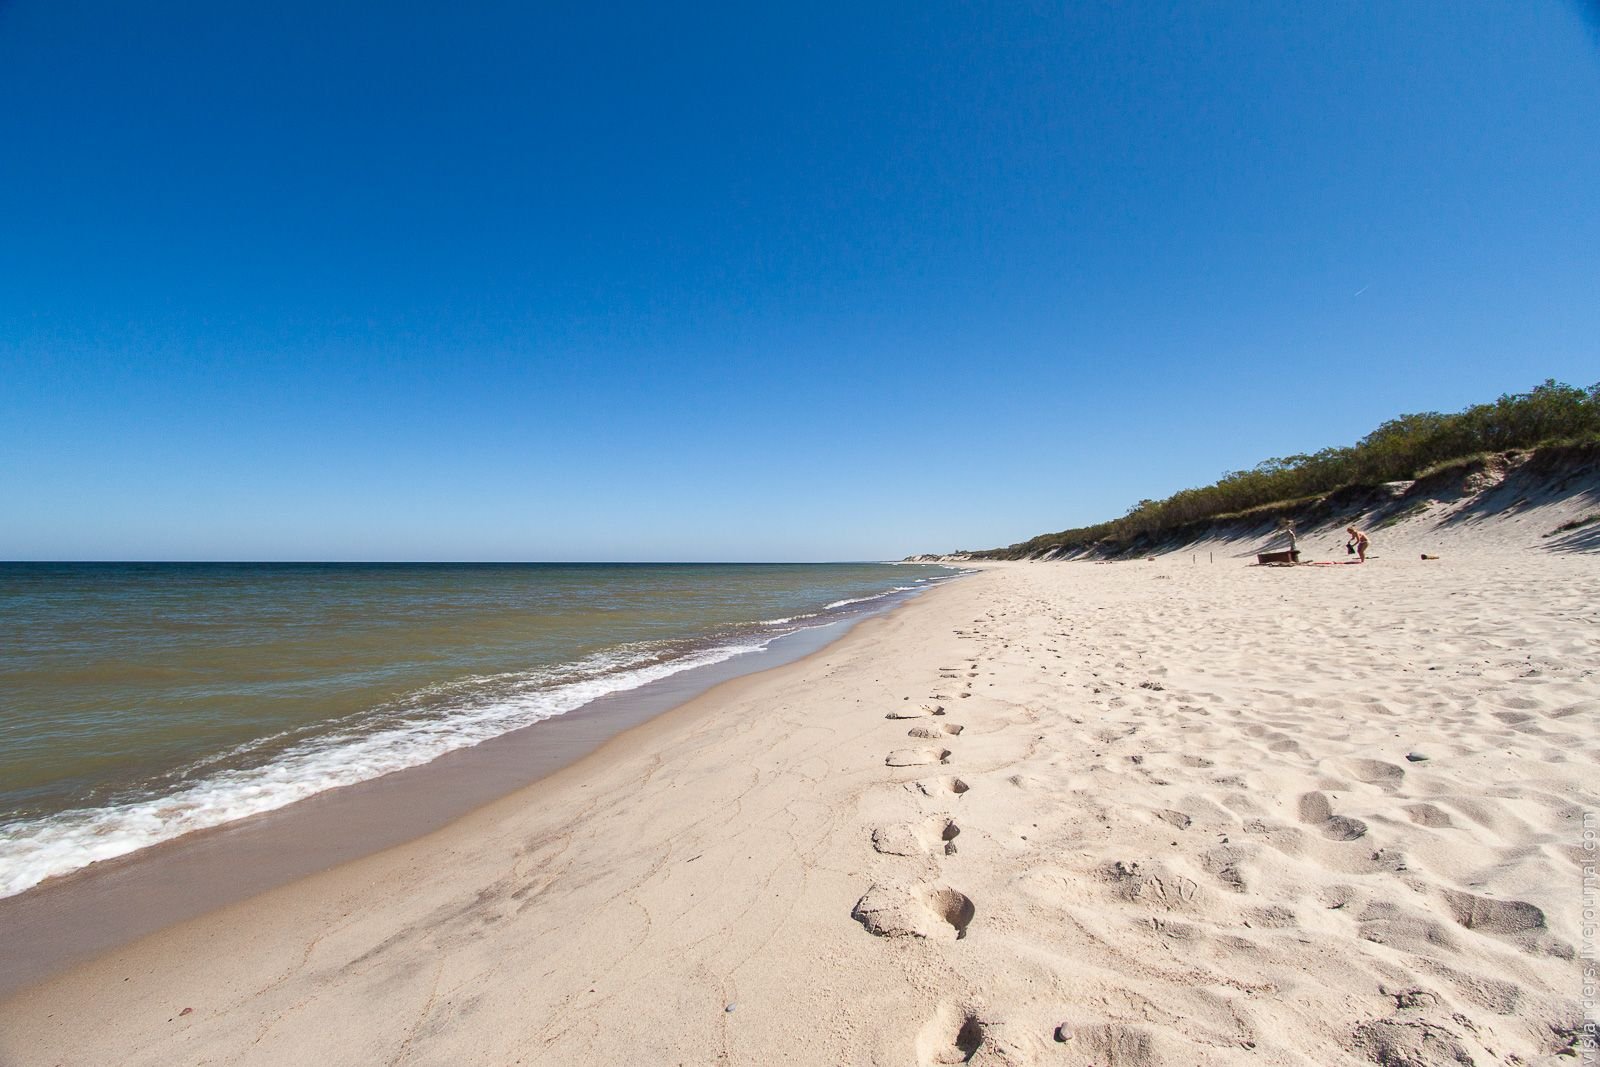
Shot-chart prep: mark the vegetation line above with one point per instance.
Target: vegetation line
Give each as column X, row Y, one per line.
column 1411, row 446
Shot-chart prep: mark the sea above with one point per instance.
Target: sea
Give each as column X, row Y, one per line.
column 143, row 701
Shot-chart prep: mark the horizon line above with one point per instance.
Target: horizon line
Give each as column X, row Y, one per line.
column 458, row 562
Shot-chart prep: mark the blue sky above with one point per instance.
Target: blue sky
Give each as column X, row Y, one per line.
column 484, row 281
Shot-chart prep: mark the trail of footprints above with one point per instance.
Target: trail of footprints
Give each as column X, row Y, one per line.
column 923, row 906
column 928, row 908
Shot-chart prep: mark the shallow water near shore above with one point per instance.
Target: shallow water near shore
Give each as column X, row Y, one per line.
column 139, row 702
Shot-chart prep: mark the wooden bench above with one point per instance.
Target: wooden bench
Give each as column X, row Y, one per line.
column 1265, row 558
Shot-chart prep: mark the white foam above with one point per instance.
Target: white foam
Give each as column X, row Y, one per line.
column 33, row 850
column 791, row 618
column 853, row 600
column 864, row 599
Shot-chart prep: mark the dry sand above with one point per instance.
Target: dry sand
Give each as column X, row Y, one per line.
column 1189, row 813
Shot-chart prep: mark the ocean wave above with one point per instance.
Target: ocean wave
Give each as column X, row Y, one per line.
column 837, row 604
column 474, row 711
column 789, row 619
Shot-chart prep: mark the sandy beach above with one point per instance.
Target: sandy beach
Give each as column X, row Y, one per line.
column 828, row 535
column 1169, row 811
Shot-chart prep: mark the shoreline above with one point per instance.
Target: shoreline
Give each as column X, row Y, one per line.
column 1204, row 815
column 74, row 917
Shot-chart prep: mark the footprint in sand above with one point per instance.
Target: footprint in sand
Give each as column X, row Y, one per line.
column 1316, row 811
column 1406, row 1041
column 1517, row 921
column 937, row 912
column 1150, row 884
column 1388, row 922
column 1375, row 772
column 939, row 787
column 937, row 730
column 1286, row 745
column 953, row 1035
column 1428, row 815
column 928, row 837
column 916, row 757
column 1173, row 818
column 921, row 711
column 1113, row 1043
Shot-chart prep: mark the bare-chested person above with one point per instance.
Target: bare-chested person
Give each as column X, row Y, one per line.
column 1358, row 541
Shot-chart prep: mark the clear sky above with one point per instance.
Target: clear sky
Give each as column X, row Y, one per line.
column 593, row 281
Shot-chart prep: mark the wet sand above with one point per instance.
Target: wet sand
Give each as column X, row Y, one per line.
column 111, row 903
column 1139, row 813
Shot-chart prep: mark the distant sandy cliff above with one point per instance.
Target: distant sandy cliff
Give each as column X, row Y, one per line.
column 1548, row 498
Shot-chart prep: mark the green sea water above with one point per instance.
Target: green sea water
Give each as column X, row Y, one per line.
column 142, row 701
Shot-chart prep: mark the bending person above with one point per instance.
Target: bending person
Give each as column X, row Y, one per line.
column 1357, row 543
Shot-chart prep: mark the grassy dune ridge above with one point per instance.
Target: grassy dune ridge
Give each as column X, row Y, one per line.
column 1552, row 419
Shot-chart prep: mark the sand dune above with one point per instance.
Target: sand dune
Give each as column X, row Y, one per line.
column 1147, row 813
column 1547, row 500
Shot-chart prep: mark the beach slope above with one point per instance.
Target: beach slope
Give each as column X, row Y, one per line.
column 1137, row 813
